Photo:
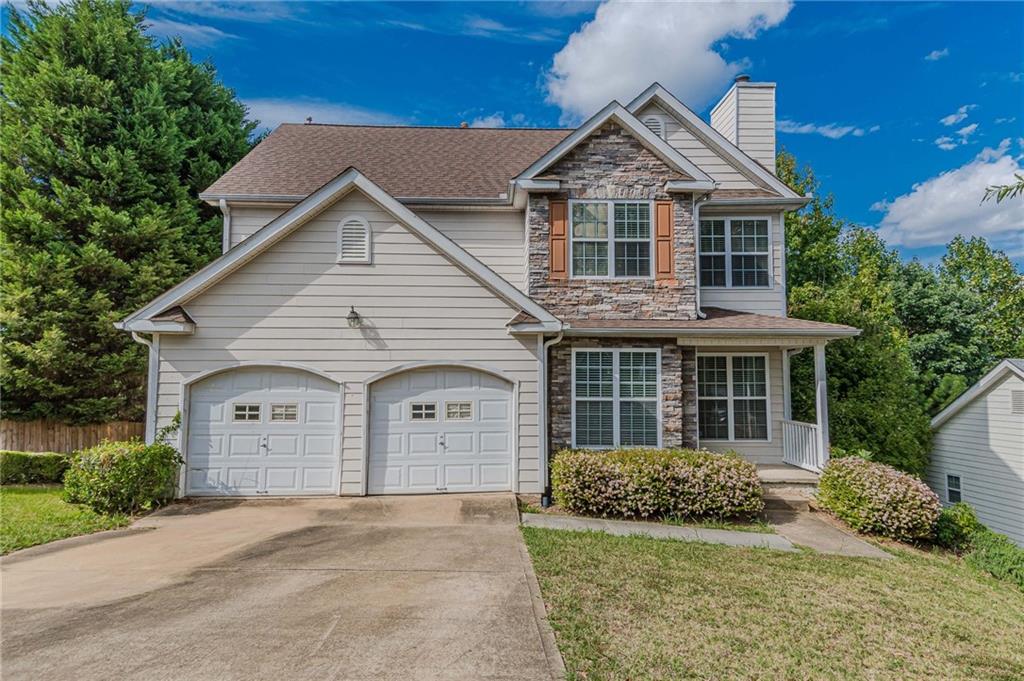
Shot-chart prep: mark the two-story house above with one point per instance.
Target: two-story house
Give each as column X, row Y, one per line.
column 426, row 309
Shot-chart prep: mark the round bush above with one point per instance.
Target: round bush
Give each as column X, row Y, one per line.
column 32, row 467
column 956, row 527
column 122, row 477
column 654, row 483
column 878, row 499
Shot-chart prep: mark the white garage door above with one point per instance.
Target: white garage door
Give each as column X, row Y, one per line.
column 263, row 431
column 440, row 430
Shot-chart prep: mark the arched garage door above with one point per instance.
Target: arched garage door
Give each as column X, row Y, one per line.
column 263, row 431
column 440, row 430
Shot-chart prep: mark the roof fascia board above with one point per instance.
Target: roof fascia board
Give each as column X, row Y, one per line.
column 669, row 102
column 765, row 201
column 147, row 326
column 313, row 205
column 616, row 112
column 689, row 185
column 568, row 330
column 1004, row 367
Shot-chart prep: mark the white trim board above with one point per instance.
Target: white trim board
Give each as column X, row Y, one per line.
column 1004, row 367
column 309, row 208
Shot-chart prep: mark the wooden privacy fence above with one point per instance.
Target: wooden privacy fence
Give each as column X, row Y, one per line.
column 53, row 436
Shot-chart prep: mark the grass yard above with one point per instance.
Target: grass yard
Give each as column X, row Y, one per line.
column 36, row 514
column 638, row 608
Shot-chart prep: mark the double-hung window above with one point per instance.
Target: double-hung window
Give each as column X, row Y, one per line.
column 611, row 239
column 732, row 397
column 616, row 398
column 735, row 252
column 954, row 492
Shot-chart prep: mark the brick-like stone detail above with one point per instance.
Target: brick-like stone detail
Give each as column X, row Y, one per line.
column 678, row 389
column 612, row 164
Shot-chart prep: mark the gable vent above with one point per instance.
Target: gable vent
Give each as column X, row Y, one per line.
column 1017, row 401
column 656, row 125
column 354, row 240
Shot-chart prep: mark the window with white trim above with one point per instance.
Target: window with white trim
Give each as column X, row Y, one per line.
column 423, row 411
column 732, row 397
column 246, row 413
column 953, row 489
column 284, row 413
column 735, row 252
column 354, row 240
column 616, row 398
column 611, row 239
column 458, row 411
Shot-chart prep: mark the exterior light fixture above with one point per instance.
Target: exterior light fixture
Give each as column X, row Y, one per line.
column 354, row 320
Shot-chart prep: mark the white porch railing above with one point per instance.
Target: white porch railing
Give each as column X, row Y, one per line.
column 800, row 445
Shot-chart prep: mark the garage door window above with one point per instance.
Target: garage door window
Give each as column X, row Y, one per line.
column 616, row 394
column 284, row 413
column 247, row 413
column 458, row 411
column 423, row 411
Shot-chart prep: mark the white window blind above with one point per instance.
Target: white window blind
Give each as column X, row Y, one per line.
column 616, row 398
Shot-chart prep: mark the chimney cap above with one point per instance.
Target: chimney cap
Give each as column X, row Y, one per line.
column 742, row 78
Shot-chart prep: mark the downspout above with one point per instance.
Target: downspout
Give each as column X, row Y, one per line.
column 696, row 226
column 542, row 412
column 152, row 379
column 225, row 240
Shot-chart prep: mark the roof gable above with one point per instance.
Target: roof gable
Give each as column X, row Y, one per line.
column 1007, row 366
column 302, row 213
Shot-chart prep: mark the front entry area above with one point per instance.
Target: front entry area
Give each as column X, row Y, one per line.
column 263, row 431
column 446, row 429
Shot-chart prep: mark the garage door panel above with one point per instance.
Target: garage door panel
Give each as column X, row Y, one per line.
column 459, row 443
column 421, row 444
column 325, row 413
column 244, row 445
column 242, row 381
column 321, row 479
column 283, row 445
column 422, row 477
column 495, row 442
column 459, row 379
column 494, row 410
column 495, row 475
column 243, row 479
column 422, row 380
column 281, row 479
column 459, row 476
column 319, row 445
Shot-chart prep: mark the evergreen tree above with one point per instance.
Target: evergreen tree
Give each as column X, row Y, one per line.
column 107, row 139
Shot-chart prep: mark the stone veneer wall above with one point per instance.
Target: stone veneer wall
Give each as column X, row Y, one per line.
column 612, row 164
column 678, row 389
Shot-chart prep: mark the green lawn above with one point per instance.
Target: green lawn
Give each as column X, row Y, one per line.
column 637, row 608
column 35, row 514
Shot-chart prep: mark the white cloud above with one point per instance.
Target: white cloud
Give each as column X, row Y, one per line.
column 254, row 12
column 494, row 120
column 832, row 131
column 489, row 28
column 961, row 114
column 190, row 33
column 936, row 55
column 627, row 45
column 967, row 131
column 272, row 112
column 941, row 207
column 1009, row 119
column 945, row 143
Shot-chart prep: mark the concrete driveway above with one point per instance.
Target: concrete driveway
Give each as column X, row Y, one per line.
column 431, row 587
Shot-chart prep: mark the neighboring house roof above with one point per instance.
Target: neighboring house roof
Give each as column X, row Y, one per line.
column 407, row 162
column 306, row 210
column 1007, row 366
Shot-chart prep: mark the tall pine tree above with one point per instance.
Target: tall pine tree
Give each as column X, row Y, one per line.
column 107, row 139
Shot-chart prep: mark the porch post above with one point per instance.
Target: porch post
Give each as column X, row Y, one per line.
column 787, row 402
column 821, row 402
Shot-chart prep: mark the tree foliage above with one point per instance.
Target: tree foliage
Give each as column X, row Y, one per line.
column 107, row 139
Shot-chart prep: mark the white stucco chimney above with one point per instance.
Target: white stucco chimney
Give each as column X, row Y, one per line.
column 746, row 117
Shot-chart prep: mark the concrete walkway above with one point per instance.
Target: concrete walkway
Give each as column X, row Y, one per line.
column 425, row 587
column 812, row 531
column 625, row 528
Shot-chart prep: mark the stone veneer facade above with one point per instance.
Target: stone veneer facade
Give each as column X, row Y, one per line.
column 612, row 164
column 678, row 388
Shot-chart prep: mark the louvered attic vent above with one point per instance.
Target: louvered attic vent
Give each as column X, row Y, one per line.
column 1017, row 401
column 354, row 240
column 656, row 125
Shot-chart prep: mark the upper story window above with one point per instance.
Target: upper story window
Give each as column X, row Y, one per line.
column 354, row 240
column 611, row 239
column 735, row 252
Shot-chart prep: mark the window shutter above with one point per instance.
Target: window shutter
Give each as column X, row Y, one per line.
column 354, row 240
column 663, row 249
column 558, row 265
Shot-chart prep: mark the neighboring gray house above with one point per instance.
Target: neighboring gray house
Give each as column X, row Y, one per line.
column 978, row 452
column 424, row 309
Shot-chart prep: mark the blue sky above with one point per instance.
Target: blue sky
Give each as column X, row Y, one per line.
column 905, row 111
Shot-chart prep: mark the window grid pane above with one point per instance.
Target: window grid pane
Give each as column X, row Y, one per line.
column 748, row 377
column 632, row 221
column 594, row 374
column 712, row 377
column 638, row 374
column 590, row 258
column 749, row 236
column 712, row 236
column 713, row 419
column 590, row 220
column 638, row 423
column 750, row 270
column 288, row 413
column 423, row 411
column 750, row 419
column 712, row 270
column 594, row 424
column 247, row 412
column 633, row 259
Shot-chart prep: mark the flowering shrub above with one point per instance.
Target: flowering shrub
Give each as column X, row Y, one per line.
column 878, row 499
column 122, row 477
column 653, row 483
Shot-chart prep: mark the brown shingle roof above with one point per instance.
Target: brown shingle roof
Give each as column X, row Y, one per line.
column 718, row 319
column 174, row 314
column 407, row 162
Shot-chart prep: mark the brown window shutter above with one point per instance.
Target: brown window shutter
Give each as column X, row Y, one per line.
column 664, row 267
column 558, row 265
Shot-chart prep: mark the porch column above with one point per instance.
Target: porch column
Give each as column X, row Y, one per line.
column 821, row 402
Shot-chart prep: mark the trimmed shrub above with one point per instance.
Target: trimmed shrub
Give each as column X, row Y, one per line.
column 878, row 499
column 122, row 477
column 840, row 453
column 956, row 527
column 655, row 483
column 997, row 555
column 18, row 468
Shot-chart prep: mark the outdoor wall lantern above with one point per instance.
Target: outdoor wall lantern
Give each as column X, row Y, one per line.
column 354, row 320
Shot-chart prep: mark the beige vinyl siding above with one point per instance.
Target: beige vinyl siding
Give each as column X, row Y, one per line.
column 757, row 452
column 494, row 237
column 723, row 116
column 756, row 132
column 769, row 301
column 247, row 220
column 983, row 443
column 701, row 153
column 289, row 305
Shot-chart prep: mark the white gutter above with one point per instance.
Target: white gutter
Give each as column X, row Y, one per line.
column 697, row 203
column 152, row 382
column 759, row 202
column 542, row 414
column 225, row 241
